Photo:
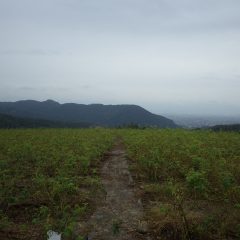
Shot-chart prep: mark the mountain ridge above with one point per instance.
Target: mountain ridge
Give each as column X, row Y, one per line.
column 96, row 114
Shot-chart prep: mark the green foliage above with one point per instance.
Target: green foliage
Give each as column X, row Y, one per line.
column 197, row 172
column 4, row 221
column 197, row 181
column 116, row 227
column 227, row 180
column 44, row 174
column 49, row 177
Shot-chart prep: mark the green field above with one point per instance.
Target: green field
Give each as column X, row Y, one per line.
column 190, row 180
column 48, row 179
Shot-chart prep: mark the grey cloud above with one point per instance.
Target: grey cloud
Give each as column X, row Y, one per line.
column 32, row 52
column 26, row 88
column 158, row 53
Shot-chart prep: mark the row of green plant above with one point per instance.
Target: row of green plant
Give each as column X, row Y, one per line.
column 48, row 179
column 191, row 181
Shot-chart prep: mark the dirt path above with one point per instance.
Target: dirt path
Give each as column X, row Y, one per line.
column 120, row 215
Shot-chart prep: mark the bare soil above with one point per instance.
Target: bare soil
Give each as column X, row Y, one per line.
column 119, row 214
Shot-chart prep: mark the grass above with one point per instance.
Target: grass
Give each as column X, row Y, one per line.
column 48, row 179
column 190, row 180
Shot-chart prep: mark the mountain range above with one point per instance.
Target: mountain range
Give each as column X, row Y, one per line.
column 84, row 115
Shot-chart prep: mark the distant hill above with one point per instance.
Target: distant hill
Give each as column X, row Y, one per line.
column 231, row 127
column 7, row 121
column 96, row 114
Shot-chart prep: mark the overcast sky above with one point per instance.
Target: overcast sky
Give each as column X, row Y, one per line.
column 169, row 56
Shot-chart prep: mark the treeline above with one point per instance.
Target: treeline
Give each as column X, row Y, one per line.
column 232, row 127
column 7, row 121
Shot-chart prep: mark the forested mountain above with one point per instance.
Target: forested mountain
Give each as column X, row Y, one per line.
column 94, row 114
column 7, row 121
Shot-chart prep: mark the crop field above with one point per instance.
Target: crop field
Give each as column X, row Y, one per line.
column 189, row 181
column 48, row 179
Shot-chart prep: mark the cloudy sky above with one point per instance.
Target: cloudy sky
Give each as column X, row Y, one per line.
column 169, row 56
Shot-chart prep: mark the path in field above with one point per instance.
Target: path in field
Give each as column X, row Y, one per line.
column 120, row 215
